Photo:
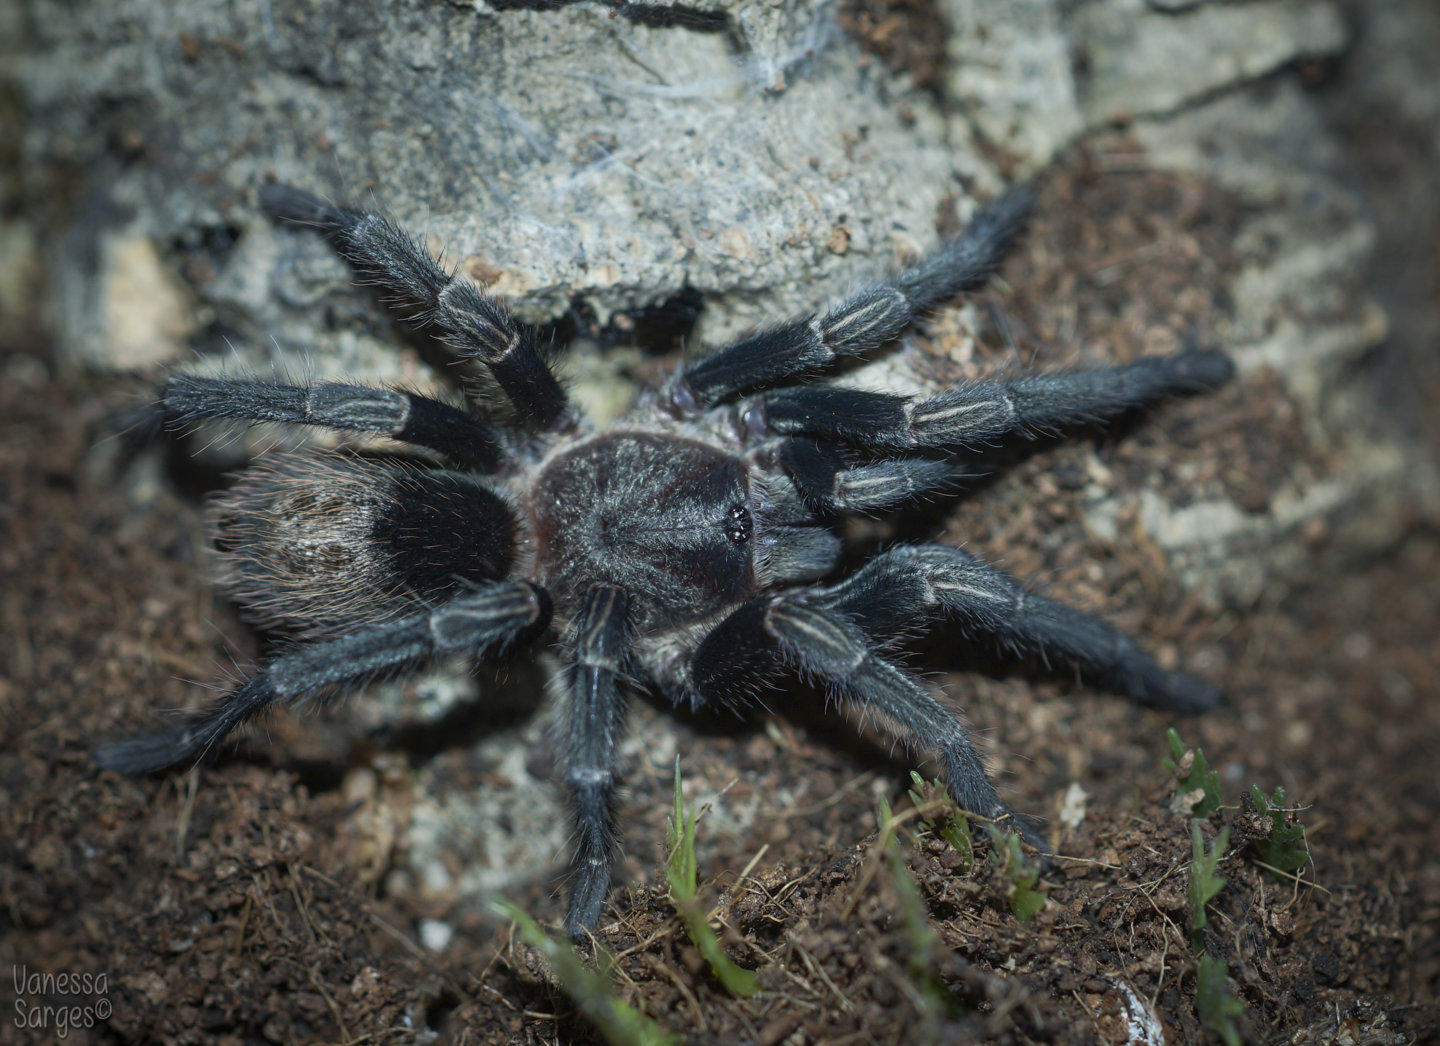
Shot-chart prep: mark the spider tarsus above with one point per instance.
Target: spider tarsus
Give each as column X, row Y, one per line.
column 157, row 751
column 1029, row 833
column 653, row 16
column 967, row 262
column 1201, row 370
column 289, row 204
column 589, row 887
column 680, row 16
column 1177, row 692
column 147, row 753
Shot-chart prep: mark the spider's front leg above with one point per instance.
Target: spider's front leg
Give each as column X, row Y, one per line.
column 756, row 642
column 984, row 412
column 866, row 321
column 885, row 597
column 828, row 484
column 482, row 619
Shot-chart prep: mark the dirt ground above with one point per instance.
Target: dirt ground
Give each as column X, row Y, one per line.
column 247, row 902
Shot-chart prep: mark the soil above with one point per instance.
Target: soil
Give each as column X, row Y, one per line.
column 247, row 902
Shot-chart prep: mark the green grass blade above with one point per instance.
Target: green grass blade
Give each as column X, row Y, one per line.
column 1025, row 900
column 681, row 870
column 1205, row 881
column 1215, row 1005
column 590, row 990
column 1195, row 780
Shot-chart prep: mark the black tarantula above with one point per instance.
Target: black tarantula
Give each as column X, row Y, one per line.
column 692, row 544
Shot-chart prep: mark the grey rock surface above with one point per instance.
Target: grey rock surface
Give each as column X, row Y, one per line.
column 1032, row 75
column 556, row 155
column 1139, row 61
column 1012, row 77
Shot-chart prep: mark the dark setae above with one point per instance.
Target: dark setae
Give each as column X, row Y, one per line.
column 692, row 545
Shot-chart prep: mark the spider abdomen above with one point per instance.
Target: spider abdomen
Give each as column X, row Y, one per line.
column 324, row 542
column 666, row 518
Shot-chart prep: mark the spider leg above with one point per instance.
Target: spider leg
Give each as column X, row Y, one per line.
column 829, row 485
column 404, row 416
column 482, row 619
column 885, row 596
column 985, row 412
column 866, row 321
column 594, row 718
column 756, row 641
column 475, row 326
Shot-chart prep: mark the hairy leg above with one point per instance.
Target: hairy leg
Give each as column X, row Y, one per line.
column 763, row 638
column 475, row 326
column 871, row 318
column 910, row 582
column 480, row 620
column 404, row 416
column 594, row 718
column 986, row 412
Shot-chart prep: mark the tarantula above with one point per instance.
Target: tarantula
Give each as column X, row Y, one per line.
column 693, row 544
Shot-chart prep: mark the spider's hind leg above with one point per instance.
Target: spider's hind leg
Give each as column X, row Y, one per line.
column 474, row 325
column 404, row 416
column 482, row 619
